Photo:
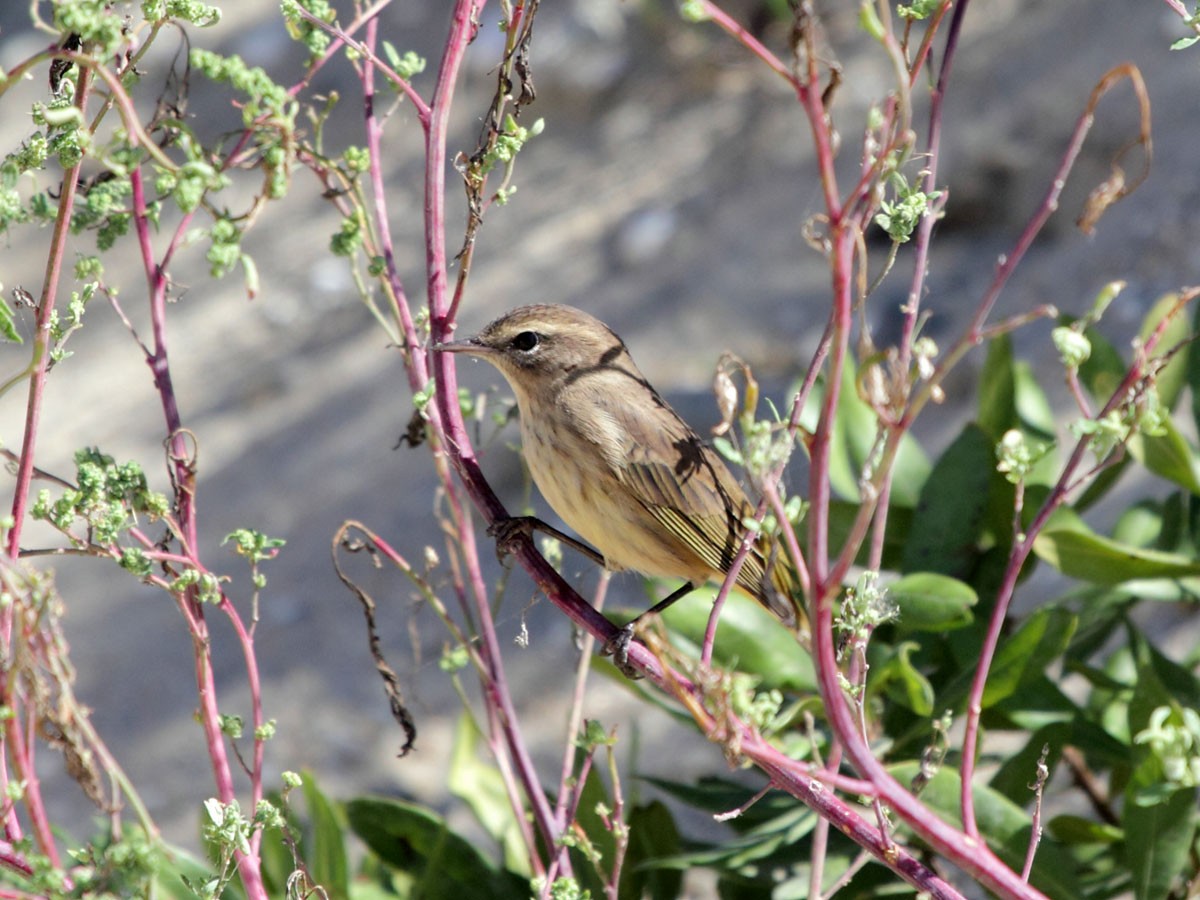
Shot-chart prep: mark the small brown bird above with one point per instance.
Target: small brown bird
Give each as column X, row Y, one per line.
column 619, row 466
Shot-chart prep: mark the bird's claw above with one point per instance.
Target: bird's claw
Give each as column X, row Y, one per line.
column 618, row 648
column 507, row 532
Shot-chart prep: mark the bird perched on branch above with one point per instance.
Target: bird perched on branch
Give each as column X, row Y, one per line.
column 620, row 466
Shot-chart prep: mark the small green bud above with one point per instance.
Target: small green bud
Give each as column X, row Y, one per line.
column 1073, row 346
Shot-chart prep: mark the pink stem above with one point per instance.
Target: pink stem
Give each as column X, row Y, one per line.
column 184, row 480
column 21, row 753
column 449, row 416
column 925, row 226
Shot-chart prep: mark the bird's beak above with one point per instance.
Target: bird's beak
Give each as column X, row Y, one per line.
column 470, row 346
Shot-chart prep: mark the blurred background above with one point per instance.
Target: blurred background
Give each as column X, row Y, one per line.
column 666, row 196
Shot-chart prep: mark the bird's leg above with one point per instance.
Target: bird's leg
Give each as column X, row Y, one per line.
column 508, row 529
column 618, row 646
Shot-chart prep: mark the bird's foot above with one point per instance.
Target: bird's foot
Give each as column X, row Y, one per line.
column 509, row 531
column 618, row 648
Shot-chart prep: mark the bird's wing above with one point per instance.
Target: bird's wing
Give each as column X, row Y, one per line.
column 685, row 485
column 664, row 465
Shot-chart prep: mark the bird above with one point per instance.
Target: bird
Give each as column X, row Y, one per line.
column 620, row 467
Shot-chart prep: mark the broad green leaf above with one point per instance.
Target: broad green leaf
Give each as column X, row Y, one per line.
column 949, row 518
column 749, row 639
column 171, row 867
column 1033, row 409
column 1019, row 769
column 1077, row 830
column 326, row 853
column 1158, row 837
column 901, row 681
column 1160, row 681
column 1104, row 369
column 1168, row 455
column 8, row 325
column 592, row 798
column 853, row 441
column 713, row 795
column 1171, row 379
column 854, row 425
column 1090, row 557
column 1023, row 656
column 1004, row 825
column 997, row 390
column 1140, row 525
column 931, row 602
column 481, row 787
column 841, row 518
column 417, row 842
column 1040, row 703
column 652, row 837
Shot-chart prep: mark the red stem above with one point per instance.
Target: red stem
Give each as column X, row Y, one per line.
column 932, row 154
column 40, row 363
column 20, row 752
column 183, row 476
column 449, row 417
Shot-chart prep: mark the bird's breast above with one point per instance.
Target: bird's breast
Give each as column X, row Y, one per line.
column 574, row 467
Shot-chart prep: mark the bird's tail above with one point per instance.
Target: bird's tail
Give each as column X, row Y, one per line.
column 781, row 592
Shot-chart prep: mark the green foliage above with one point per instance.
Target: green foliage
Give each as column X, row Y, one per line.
column 264, row 99
column 406, row 64
column 107, row 499
column 420, row 855
column 900, row 216
column 1076, row 685
column 308, row 33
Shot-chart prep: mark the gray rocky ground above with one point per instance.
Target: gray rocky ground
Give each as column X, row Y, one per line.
column 666, row 195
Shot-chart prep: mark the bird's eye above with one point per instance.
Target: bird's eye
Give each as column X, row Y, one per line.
column 526, row 341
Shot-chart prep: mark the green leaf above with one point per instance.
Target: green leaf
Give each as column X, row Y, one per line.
column 1140, row 525
column 1023, row 656
column 1160, row 681
column 1039, row 704
column 418, row 842
column 1075, row 551
column 901, row 681
column 714, row 795
column 997, row 390
column 1004, row 825
column 749, row 639
column 1158, row 837
column 854, row 432
column 841, row 517
column 1033, row 409
column 1172, row 378
column 946, row 529
column 170, row 870
column 1019, row 770
column 8, row 326
column 1104, row 369
column 588, row 819
column 326, row 856
column 932, row 602
column 652, row 837
column 481, row 787
column 1077, row 830
column 1168, row 455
